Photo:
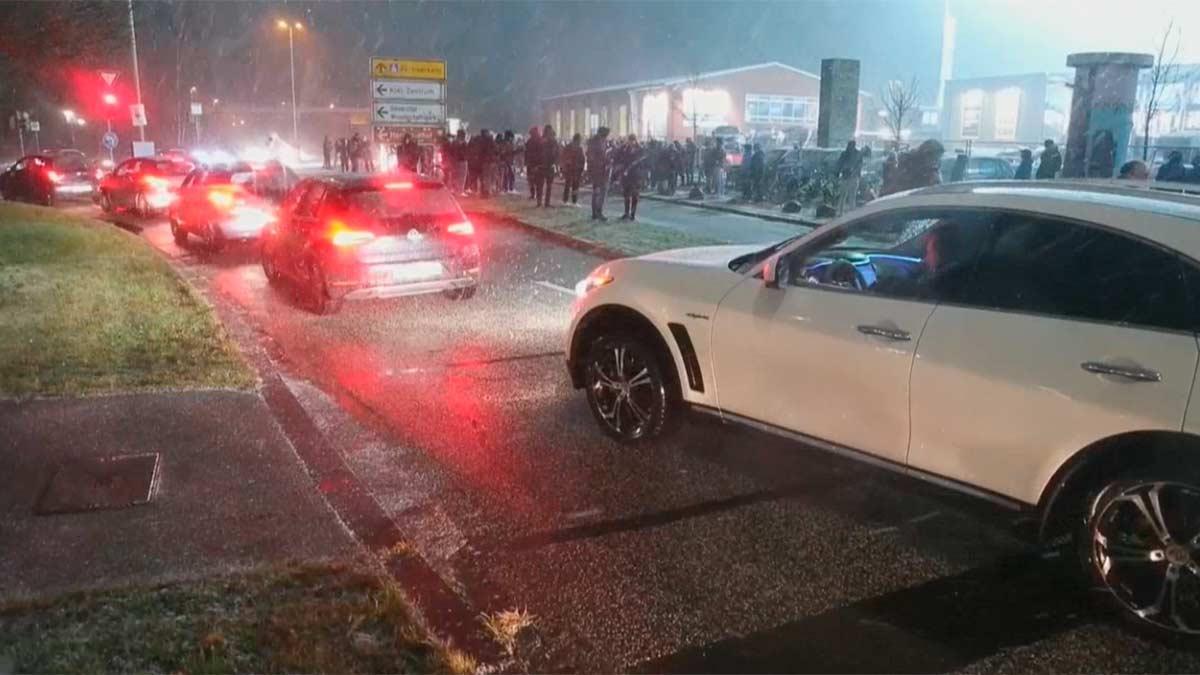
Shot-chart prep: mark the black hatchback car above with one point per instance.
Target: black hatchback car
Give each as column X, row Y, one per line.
column 385, row 236
column 43, row 179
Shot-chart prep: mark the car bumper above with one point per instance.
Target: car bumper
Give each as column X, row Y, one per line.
column 73, row 190
column 353, row 292
column 245, row 225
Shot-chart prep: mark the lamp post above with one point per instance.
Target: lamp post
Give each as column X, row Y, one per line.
column 291, row 28
column 69, row 115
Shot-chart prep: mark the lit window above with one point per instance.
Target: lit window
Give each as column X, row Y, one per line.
column 1008, row 111
column 571, row 122
column 654, row 115
column 623, row 120
column 929, row 118
column 972, row 112
column 781, row 109
column 558, row 128
column 587, row 122
column 710, row 107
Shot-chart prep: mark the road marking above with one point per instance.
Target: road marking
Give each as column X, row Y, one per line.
column 927, row 516
column 556, row 287
column 584, row 514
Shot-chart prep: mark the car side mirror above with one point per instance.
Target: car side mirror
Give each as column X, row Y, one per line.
column 770, row 272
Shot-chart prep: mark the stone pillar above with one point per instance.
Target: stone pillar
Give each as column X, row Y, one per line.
column 837, row 116
column 1102, row 104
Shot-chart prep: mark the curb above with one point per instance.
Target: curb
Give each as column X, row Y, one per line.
column 731, row 209
column 566, row 240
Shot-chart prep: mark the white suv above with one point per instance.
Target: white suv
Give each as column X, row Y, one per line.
column 1032, row 344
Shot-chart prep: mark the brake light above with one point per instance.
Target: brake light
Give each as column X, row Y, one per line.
column 342, row 235
column 465, row 228
column 54, row 176
column 221, row 198
column 398, row 186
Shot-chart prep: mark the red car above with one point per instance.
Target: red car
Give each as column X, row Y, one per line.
column 147, row 185
column 219, row 206
column 371, row 237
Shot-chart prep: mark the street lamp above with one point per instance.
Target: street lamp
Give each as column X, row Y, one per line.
column 69, row 115
column 291, row 28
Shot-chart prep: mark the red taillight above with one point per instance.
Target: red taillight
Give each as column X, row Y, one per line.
column 54, row 176
column 342, row 235
column 465, row 228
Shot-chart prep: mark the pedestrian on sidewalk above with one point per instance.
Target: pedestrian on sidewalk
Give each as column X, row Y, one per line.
column 678, row 157
column 355, row 150
column 548, row 166
column 474, row 162
column 1025, row 168
column 327, row 153
column 459, row 162
column 1051, row 162
column 572, row 164
column 849, row 172
column 533, row 154
column 508, row 151
column 691, row 153
column 598, row 165
column 633, row 172
column 757, row 173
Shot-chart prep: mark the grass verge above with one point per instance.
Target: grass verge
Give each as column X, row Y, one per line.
column 87, row 308
column 315, row 619
column 628, row 238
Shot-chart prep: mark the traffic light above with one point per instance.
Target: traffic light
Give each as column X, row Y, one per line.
column 110, row 98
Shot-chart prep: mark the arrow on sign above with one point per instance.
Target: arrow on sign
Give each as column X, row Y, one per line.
column 382, row 113
column 108, row 76
column 379, row 90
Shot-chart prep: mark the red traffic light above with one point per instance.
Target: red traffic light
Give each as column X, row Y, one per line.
column 110, row 98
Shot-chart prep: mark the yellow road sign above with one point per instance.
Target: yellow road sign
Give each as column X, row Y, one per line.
column 407, row 69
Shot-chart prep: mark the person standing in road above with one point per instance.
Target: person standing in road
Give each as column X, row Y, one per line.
column 1051, row 162
column 459, row 161
column 633, row 173
column 549, row 165
column 343, row 159
column 327, row 153
column 758, row 173
column 690, row 157
column 533, row 154
column 508, row 151
column 1025, row 168
column 354, row 148
column 849, row 172
column 598, row 165
column 572, row 168
column 678, row 157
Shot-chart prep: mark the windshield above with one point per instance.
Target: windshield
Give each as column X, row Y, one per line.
column 600, row 336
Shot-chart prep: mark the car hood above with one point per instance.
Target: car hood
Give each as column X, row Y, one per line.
column 703, row 256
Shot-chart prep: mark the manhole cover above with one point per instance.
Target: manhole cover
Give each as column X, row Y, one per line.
column 93, row 483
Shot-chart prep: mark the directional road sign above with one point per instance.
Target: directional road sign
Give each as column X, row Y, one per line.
column 110, row 140
column 109, row 76
column 137, row 112
column 408, row 90
column 416, row 114
column 407, row 69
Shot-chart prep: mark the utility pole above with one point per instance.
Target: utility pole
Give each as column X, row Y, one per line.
column 137, row 82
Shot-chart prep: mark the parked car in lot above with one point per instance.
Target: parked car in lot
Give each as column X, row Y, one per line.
column 219, row 206
column 44, row 179
column 371, row 237
column 1032, row 346
column 147, row 185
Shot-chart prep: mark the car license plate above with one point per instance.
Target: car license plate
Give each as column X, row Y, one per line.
column 406, row 272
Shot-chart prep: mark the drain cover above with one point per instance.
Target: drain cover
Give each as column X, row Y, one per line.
column 94, row 483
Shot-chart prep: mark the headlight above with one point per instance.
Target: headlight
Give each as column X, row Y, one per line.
column 601, row 276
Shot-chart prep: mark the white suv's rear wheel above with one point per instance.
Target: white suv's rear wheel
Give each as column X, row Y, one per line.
column 1141, row 545
column 627, row 390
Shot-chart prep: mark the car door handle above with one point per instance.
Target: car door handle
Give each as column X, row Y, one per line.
column 1127, row 372
column 885, row 332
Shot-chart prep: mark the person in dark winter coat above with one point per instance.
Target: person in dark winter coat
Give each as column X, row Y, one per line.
column 327, row 153
column 489, row 157
column 1173, row 170
column 598, row 166
column 918, row 168
column 572, row 162
column 548, row 166
column 849, row 173
column 533, row 153
column 343, row 157
column 690, row 157
column 1025, row 168
column 757, row 174
column 1051, row 162
column 354, row 149
column 664, row 167
column 678, row 157
column 409, row 153
column 508, row 151
column 474, row 162
column 459, row 161
column 633, row 173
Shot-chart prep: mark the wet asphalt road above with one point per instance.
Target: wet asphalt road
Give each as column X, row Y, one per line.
column 721, row 549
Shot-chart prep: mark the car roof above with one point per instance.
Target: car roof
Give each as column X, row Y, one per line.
column 1160, row 212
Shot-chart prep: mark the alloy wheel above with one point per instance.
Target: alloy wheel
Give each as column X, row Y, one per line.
column 1145, row 544
column 626, row 393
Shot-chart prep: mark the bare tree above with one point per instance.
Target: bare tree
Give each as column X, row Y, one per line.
column 899, row 102
column 1164, row 72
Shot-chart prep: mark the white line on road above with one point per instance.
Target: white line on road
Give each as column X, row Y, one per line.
column 560, row 289
column 588, row 513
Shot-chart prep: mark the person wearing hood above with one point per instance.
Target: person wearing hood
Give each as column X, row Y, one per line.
column 572, row 163
column 633, row 174
column 1173, row 170
column 1025, row 168
column 919, row 168
column 533, row 154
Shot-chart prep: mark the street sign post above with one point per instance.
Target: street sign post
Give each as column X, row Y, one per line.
column 408, row 97
column 137, row 113
column 110, row 141
column 197, row 109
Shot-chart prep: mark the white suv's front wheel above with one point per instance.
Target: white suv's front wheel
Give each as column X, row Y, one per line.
column 627, row 390
column 1141, row 546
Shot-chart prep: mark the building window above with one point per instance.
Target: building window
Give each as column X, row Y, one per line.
column 1008, row 112
column 929, row 118
column 558, row 128
column 654, row 115
column 971, row 104
column 587, row 122
column 623, row 120
column 781, row 109
column 571, row 122
column 604, row 116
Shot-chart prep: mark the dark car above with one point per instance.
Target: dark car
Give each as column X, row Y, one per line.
column 43, row 179
column 220, row 206
column 148, row 185
column 371, row 237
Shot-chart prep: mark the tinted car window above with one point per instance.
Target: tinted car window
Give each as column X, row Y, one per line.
column 915, row 255
column 1046, row 266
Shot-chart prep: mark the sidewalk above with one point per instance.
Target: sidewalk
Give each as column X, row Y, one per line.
column 229, row 493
